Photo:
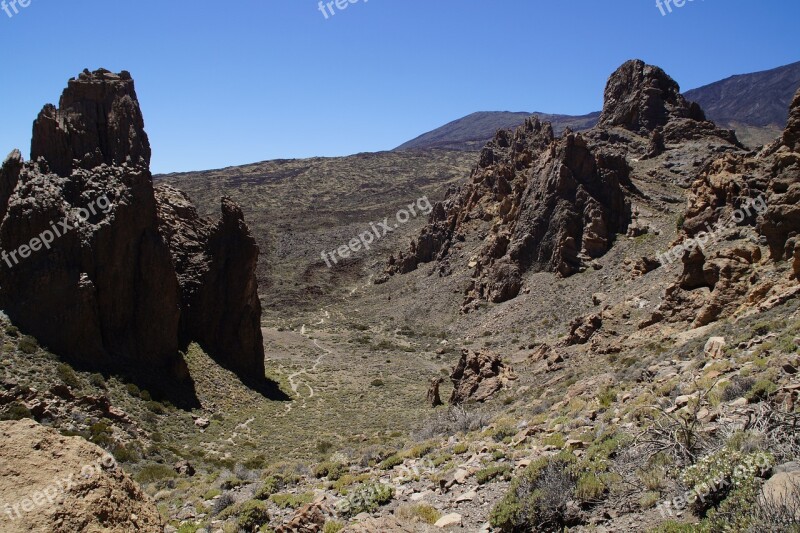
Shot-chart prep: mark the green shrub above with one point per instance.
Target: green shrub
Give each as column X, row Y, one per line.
column 329, row 469
column 606, row 397
column 156, row 407
column 365, row 499
column 100, row 433
column 491, row 473
column 132, row 389
column 537, row 500
column 16, row 411
column 460, row 448
column 324, row 447
column 377, row 383
column 716, row 475
column 252, row 515
column 270, row 486
column 590, row 488
column 68, row 376
column 421, row 512
column 391, row 462
column 154, row 472
column 762, row 390
column 97, row 380
column 334, row 526
column 292, row 501
column 28, row 345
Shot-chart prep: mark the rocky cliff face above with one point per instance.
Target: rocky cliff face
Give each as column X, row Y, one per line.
column 740, row 201
column 86, row 268
column 215, row 264
column 557, row 204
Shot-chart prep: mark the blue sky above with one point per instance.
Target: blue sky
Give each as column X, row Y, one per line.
column 224, row 83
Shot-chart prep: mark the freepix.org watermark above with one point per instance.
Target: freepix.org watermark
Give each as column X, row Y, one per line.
column 378, row 230
column 11, row 7
column 56, row 490
column 712, row 234
column 57, row 229
column 327, row 8
column 665, row 6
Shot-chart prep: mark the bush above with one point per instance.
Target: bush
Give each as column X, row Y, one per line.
column 718, row 474
column 590, row 488
column 156, row 407
column 391, row 462
column 365, row 499
column 329, row 469
column 461, row 448
column 222, row 503
column 271, row 486
column 97, row 380
column 737, row 388
column 154, row 472
column 68, row 376
column 421, row 513
column 333, row 526
column 537, row 500
column 16, row 411
column 132, row 389
column 252, row 515
column 377, row 383
column 292, row 501
column 28, row 345
column 489, row 474
column 762, row 390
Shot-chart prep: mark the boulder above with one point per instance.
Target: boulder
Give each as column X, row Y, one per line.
column 478, row 376
column 59, row 484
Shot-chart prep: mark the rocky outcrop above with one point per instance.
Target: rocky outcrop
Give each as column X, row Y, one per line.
column 478, row 376
column 546, row 204
column 98, row 120
column 739, row 200
column 215, row 264
column 433, row 397
column 64, row 484
column 791, row 136
column 86, row 266
column 551, row 205
column 643, row 97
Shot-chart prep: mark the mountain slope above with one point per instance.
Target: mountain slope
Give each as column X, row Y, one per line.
column 752, row 104
column 474, row 131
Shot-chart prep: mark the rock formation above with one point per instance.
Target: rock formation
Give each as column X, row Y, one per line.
column 643, row 97
column 98, row 120
column 739, row 200
column 65, row 484
column 90, row 269
column 216, row 264
column 478, row 376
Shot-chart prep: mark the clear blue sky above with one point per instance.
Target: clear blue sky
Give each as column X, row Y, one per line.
column 233, row 82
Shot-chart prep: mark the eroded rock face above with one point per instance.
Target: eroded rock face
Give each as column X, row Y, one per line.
column 98, row 120
column 640, row 96
column 215, row 264
column 551, row 204
column 104, row 289
column 739, row 198
column 478, row 376
column 89, row 491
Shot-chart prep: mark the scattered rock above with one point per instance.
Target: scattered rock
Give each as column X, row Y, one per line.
column 715, row 348
column 433, row 397
column 449, row 520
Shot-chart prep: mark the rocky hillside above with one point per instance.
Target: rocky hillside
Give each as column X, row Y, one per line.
column 474, row 131
column 103, row 269
column 49, row 482
column 752, row 104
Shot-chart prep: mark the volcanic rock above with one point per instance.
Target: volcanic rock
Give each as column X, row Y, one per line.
column 93, row 277
column 478, row 376
column 643, row 97
column 215, row 264
column 66, row 484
